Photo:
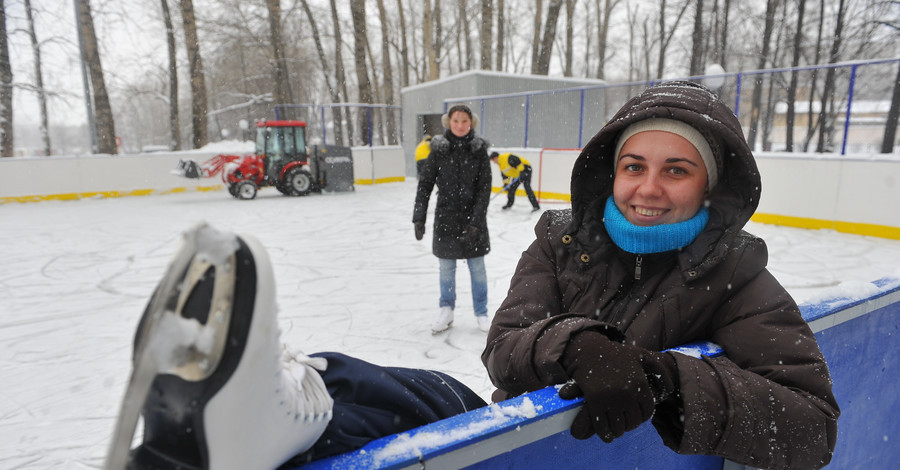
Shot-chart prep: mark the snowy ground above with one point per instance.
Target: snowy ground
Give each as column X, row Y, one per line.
column 351, row 278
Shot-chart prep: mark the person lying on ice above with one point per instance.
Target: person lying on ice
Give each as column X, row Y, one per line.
column 651, row 255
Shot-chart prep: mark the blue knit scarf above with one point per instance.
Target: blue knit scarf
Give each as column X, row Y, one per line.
column 652, row 239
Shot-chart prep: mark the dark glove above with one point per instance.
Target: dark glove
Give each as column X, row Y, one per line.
column 420, row 230
column 471, row 233
column 621, row 384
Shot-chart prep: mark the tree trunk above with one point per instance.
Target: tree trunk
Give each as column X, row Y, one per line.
column 536, row 38
column 199, row 107
column 826, row 121
column 890, row 127
column 339, row 74
column 813, row 79
column 548, row 36
column 721, row 51
column 174, row 122
column 486, row 37
column 696, row 67
column 6, row 79
column 38, row 79
column 792, row 88
column 428, row 41
column 360, row 44
column 106, row 131
column 570, row 31
column 603, row 33
column 404, row 51
column 756, row 99
column 392, row 136
column 332, row 90
column 438, row 34
column 501, row 34
column 279, row 67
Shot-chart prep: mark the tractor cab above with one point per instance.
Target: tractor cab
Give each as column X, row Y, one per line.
column 280, row 143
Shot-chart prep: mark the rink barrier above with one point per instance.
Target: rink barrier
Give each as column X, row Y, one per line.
column 858, row 338
column 64, row 178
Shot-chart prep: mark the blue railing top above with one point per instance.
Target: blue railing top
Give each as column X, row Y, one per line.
column 653, row 82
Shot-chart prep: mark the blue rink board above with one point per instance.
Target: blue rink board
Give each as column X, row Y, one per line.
column 859, row 339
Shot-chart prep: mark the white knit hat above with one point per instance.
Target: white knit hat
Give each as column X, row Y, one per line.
column 681, row 129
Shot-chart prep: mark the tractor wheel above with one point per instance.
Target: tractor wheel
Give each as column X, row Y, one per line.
column 245, row 190
column 298, row 182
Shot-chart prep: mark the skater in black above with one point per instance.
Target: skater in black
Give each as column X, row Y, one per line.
column 515, row 170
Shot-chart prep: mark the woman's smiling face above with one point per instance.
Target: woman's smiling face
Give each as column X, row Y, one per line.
column 460, row 123
column 660, row 179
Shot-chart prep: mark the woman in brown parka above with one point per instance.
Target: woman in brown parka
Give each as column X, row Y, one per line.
column 610, row 282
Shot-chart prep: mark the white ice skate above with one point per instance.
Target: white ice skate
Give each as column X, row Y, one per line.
column 444, row 320
column 210, row 377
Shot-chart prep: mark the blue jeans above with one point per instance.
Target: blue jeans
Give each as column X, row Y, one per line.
column 479, row 284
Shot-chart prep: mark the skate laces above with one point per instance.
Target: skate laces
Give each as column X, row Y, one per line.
column 305, row 386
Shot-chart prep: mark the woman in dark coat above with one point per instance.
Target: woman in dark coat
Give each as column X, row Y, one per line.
column 459, row 166
column 624, row 275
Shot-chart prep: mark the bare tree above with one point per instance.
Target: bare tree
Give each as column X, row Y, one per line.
column 603, row 16
column 665, row 37
column 360, row 44
column 792, row 88
column 826, row 123
column 106, row 132
column 6, row 79
column 332, row 90
column 570, row 31
column 549, row 35
column 339, row 74
column 388, row 74
column 38, row 79
column 174, row 121
column 697, row 49
column 501, row 34
column 756, row 100
column 280, row 72
column 486, row 37
column 199, row 106
column 721, row 34
column 536, row 37
column 428, row 39
column 404, row 50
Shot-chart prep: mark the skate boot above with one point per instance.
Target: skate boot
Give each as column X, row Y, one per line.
column 214, row 386
column 443, row 321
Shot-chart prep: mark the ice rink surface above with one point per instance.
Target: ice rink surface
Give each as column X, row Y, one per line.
column 350, row 278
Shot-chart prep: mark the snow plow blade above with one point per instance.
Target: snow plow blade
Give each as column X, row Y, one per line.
column 187, row 169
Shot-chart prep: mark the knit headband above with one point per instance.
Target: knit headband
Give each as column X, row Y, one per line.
column 681, row 129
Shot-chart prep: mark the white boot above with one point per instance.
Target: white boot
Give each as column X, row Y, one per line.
column 225, row 394
column 443, row 321
column 484, row 323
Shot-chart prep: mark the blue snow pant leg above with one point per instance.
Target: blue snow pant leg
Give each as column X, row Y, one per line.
column 372, row 401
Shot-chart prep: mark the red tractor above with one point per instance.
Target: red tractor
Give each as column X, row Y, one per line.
column 280, row 159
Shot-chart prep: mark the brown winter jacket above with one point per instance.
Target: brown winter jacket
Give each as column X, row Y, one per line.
column 768, row 402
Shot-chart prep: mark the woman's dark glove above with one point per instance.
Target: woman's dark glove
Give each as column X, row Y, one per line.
column 621, row 384
column 420, row 230
column 471, row 233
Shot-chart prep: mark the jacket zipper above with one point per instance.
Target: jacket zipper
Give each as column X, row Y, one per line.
column 637, row 267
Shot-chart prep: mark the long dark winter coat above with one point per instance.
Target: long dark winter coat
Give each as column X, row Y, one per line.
column 766, row 403
column 460, row 168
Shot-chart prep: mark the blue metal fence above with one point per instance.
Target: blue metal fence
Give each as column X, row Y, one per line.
column 862, row 126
